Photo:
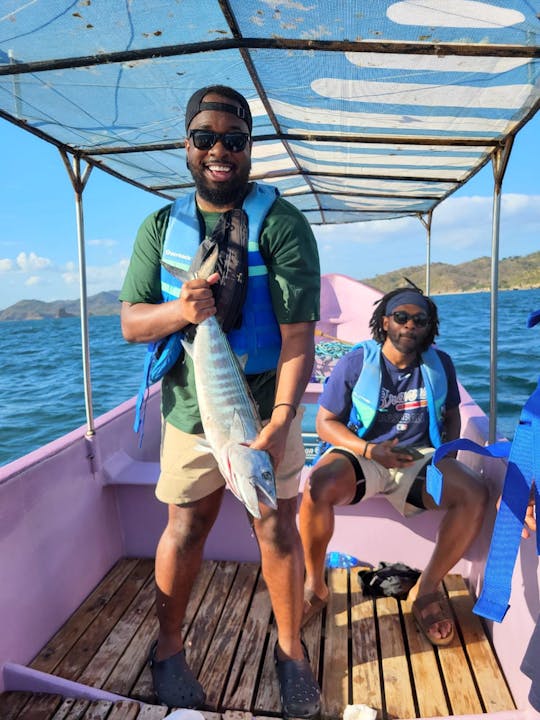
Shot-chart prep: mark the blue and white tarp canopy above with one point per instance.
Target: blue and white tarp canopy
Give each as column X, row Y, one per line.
column 362, row 110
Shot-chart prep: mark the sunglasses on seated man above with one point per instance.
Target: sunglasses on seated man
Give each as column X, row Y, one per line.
column 206, row 139
column 401, row 317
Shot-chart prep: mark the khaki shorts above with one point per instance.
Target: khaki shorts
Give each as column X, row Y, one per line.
column 189, row 474
column 393, row 483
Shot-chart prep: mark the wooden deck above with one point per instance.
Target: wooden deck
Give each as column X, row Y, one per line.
column 363, row 651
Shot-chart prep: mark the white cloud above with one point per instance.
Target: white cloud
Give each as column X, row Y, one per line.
column 49, row 281
column 106, row 277
column 30, row 262
column 70, row 278
column 461, row 231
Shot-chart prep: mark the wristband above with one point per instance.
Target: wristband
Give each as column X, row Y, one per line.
column 293, row 407
column 365, row 449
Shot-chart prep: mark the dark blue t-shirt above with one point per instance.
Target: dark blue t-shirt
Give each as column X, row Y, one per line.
column 403, row 411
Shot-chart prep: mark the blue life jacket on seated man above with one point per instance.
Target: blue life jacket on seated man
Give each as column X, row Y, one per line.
column 367, row 390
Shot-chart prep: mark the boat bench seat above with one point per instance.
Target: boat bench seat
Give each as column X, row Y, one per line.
column 122, row 469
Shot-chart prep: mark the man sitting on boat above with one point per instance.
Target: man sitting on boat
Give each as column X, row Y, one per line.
column 276, row 330
column 387, row 405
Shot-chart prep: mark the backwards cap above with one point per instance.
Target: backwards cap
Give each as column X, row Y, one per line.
column 196, row 105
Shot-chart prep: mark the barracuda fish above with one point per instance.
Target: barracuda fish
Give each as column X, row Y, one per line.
column 229, row 414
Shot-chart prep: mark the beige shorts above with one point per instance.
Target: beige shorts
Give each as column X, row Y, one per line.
column 392, row 483
column 189, row 474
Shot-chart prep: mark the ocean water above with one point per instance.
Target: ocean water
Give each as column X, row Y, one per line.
column 41, row 385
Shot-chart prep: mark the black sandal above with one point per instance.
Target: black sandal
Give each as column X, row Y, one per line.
column 175, row 685
column 298, row 689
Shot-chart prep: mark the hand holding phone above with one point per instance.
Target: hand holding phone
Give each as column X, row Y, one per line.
column 409, row 450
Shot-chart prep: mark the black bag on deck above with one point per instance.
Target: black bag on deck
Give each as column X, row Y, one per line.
column 388, row 580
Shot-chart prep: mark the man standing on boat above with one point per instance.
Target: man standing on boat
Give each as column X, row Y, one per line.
column 387, row 404
column 218, row 147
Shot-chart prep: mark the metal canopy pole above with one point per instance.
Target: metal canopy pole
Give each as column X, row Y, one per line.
column 499, row 161
column 426, row 222
column 79, row 182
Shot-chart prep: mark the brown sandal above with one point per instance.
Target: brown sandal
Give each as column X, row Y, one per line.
column 313, row 605
column 426, row 622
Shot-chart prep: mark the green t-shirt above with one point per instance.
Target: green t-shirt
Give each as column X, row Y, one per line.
column 289, row 250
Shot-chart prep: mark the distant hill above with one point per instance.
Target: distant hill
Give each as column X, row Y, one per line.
column 514, row 273
column 104, row 303
column 520, row 273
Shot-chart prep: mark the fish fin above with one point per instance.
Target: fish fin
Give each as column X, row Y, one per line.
column 203, row 264
column 203, row 445
column 183, row 275
column 206, row 264
column 238, row 429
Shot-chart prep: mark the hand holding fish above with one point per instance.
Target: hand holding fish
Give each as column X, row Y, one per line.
column 272, row 438
column 197, row 299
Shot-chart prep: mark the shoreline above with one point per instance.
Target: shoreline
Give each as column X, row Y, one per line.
column 465, row 292
column 487, row 290
column 56, row 315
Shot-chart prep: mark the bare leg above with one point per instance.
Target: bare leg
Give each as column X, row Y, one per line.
column 282, row 566
column 465, row 501
column 178, row 560
column 332, row 482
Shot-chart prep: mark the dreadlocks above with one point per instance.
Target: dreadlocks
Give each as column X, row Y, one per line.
column 376, row 324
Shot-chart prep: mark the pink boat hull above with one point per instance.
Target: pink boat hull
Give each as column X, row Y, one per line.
column 71, row 509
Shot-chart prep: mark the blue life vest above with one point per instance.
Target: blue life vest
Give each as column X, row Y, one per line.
column 367, row 390
column 258, row 338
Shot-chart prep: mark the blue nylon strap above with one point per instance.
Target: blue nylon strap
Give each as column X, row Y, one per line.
column 144, row 390
column 434, row 477
column 523, row 467
column 522, row 471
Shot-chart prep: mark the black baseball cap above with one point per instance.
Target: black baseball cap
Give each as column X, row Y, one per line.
column 196, row 105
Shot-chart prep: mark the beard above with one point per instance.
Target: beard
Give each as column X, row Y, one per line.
column 218, row 194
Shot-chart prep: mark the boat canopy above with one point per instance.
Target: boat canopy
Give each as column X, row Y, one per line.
column 362, row 110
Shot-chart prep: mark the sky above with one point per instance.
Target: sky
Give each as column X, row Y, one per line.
column 38, row 236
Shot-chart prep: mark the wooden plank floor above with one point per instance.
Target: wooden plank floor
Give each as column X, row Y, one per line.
column 363, row 651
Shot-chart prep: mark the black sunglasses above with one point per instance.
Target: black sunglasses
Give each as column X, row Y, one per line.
column 402, row 317
column 206, row 139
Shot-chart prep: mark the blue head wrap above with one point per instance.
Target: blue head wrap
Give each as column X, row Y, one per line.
column 407, row 297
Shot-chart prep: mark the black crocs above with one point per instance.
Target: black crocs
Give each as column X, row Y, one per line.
column 174, row 683
column 298, row 689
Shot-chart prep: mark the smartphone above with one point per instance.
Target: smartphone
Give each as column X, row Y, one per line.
column 409, row 450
